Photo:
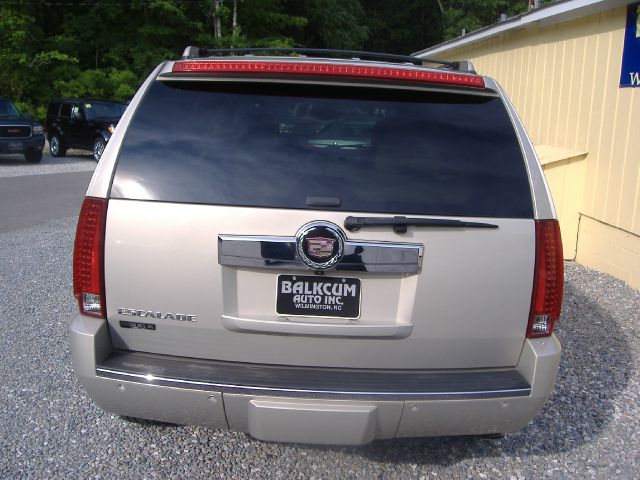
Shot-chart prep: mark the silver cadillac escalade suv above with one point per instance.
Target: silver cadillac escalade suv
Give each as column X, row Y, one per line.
column 320, row 250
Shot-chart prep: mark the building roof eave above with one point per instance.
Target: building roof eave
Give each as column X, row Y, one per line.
column 557, row 12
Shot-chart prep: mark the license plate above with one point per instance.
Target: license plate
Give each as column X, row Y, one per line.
column 318, row 296
column 15, row 146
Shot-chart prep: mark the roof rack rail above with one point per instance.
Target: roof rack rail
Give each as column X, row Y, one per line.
column 197, row 52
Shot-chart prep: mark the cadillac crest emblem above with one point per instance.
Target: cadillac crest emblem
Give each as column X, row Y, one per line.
column 320, row 246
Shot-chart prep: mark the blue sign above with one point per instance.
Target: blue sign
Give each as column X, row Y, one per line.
column 630, row 71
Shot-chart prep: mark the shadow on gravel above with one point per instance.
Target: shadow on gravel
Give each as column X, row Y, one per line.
column 595, row 367
column 15, row 160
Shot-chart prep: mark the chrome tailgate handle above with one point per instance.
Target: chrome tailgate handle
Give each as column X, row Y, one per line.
column 288, row 327
column 280, row 253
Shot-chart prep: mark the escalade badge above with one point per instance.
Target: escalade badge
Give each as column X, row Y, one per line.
column 320, row 245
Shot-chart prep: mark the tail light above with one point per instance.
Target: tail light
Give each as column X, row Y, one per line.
column 88, row 275
column 548, row 280
column 329, row 70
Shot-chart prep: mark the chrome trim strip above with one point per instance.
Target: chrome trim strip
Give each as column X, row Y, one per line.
column 164, row 381
column 275, row 252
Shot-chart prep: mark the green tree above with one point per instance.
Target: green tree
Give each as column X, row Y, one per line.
column 98, row 83
column 269, row 23
column 105, row 49
column 23, row 58
column 405, row 30
column 336, row 24
column 472, row 15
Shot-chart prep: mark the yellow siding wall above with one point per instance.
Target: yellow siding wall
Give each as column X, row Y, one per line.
column 565, row 173
column 610, row 250
column 563, row 80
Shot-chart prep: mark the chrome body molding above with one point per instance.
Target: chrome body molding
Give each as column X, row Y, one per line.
column 281, row 253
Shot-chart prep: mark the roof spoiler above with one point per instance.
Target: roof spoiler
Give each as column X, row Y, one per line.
column 192, row 52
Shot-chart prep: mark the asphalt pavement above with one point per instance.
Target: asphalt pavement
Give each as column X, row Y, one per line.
column 590, row 428
column 32, row 194
column 34, row 199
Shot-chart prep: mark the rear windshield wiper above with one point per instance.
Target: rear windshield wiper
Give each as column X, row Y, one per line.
column 400, row 224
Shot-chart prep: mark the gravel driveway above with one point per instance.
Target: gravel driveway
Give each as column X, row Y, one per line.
column 49, row 429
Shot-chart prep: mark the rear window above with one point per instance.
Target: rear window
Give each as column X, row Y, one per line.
column 104, row 110
column 370, row 150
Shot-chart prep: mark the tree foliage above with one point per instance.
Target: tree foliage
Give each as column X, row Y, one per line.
column 24, row 56
column 105, row 48
column 414, row 26
column 471, row 15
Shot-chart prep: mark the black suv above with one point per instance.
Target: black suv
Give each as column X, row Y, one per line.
column 20, row 133
column 81, row 123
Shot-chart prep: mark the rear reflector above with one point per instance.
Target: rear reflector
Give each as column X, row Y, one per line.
column 88, row 279
column 330, row 70
column 548, row 280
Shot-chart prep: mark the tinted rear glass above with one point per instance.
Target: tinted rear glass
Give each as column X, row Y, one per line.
column 65, row 110
column 375, row 150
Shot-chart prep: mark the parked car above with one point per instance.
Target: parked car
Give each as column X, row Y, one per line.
column 81, row 123
column 234, row 273
column 20, row 133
